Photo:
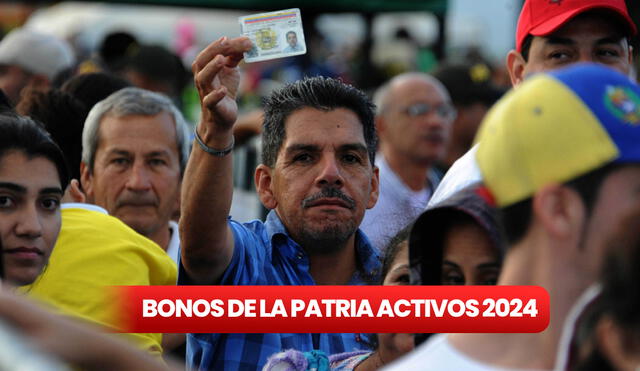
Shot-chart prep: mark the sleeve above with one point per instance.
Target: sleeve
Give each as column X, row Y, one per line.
column 248, row 260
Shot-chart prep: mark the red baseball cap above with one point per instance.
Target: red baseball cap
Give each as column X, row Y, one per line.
column 542, row 17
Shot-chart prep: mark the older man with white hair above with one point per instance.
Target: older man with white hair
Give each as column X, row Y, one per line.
column 135, row 149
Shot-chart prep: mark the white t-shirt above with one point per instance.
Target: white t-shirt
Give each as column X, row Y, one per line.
column 173, row 249
column 397, row 206
column 439, row 355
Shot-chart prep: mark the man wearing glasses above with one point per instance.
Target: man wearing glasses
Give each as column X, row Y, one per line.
column 414, row 117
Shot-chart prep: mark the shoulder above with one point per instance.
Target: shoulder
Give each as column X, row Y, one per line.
column 249, row 233
column 92, row 234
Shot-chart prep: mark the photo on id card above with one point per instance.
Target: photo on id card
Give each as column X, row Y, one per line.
column 274, row 35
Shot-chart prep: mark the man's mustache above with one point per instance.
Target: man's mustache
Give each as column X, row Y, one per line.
column 143, row 199
column 329, row 192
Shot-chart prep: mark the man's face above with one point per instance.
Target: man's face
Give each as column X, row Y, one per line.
column 618, row 197
column 136, row 174
column 30, row 195
column 12, row 80
column 586, row 38
column 418, row 136
column 292, row 39
column 322, row 181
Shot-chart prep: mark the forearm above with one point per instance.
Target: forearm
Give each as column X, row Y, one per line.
column 207, row 244
column 206, row 240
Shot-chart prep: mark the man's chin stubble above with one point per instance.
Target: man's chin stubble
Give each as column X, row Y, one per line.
column 327, row 240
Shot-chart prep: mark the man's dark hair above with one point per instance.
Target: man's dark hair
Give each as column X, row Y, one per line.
column 161, row 67
column 515, row 219
column 321, row 93
column 29, row 137
column 91, row 88
column 526, row 46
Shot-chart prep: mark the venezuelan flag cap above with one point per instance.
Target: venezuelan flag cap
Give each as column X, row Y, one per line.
column 556, row 127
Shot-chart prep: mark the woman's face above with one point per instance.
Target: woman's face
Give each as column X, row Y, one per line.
column 30, row 220
column 469, row 257
column 393, row 346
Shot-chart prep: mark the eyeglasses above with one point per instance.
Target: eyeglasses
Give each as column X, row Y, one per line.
column 445, row 111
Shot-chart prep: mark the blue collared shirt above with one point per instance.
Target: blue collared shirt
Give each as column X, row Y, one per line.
column 264, row 254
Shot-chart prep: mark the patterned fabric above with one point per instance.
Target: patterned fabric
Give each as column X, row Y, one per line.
column 315, row 360
column 265, row 255
column 348, row 361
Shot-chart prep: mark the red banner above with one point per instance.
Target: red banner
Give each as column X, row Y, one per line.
column 325, row 309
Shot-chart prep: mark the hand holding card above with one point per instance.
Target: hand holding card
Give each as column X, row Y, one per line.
column 217, row 78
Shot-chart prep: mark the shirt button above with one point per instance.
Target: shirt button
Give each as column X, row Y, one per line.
column 299, row 256
column 358, row 338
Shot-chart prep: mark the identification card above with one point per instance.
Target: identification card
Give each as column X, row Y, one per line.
column 274, row 35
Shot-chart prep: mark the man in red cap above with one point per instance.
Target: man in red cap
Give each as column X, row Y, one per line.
column 555, row 33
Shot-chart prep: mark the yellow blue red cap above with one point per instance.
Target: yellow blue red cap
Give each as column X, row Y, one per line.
column 556, row 127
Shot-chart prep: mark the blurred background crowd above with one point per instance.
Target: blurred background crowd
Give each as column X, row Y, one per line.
column 152, row 45
column 60, row 60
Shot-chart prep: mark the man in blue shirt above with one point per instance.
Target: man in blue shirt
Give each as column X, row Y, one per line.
column 317, row 176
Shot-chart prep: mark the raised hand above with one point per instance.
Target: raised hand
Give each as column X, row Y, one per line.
column 217, row 78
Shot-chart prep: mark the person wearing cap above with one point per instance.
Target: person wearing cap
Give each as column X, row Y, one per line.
column 560, row 157
column 30, row 58
column 456, row 242
column 413, row 118
column 472, row 94
column 552, row 34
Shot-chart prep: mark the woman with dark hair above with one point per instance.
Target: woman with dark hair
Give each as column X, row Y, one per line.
column 33, row 177
column 456, row 242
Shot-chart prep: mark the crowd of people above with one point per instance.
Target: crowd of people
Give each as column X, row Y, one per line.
column 435, row 179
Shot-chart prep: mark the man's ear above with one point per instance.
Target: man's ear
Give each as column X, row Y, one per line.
column 560, row 210
column 515, row 66
column 375, row 187
column 264, row 186
column 86, row 179
column 75, row 192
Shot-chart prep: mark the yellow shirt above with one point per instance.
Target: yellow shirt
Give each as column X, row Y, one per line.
column 93, row 252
